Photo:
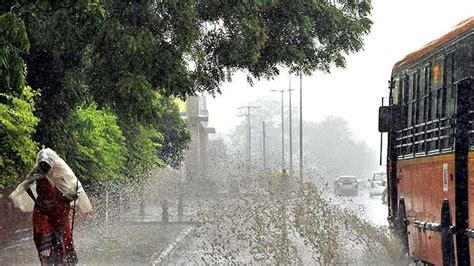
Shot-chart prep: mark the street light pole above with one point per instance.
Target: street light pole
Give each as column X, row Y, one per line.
column 249, row 134
column 291, row 128
column 282, row 132
column 282, row 135
column 301, row 127
column 263, row 146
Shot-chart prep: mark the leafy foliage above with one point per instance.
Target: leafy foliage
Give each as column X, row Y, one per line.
column 128, row 57
column 175, row 134
column 142, row 144
column 62, row 64
column 17, row 121
column 14, row 43
column 184, row 47
column 59, row 34
column 17, row 124
column 260, row 36
column 97, row 145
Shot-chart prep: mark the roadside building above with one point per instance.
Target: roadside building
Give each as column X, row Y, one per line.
column 197, row 159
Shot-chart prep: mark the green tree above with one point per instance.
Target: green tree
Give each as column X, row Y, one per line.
column 59, row 33
column 17, row 121
column 142, row 145
column 130, row 64
column 175, row 134
column 121, row 54
column 17, row 125
column 96, row 149
column 183, row 47
column 15, row 44
column 259, row 36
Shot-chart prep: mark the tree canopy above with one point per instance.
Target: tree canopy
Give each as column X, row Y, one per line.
column 127, row 59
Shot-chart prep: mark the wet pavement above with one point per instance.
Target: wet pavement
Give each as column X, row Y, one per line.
column 370, row 209
column 145, row 240
column 125, row 243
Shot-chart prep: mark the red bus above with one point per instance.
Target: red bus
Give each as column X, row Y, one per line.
column 430, row 150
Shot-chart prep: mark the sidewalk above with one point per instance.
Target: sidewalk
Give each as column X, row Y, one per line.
column 126, row 243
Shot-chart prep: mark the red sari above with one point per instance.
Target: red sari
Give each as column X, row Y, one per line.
column 52, row 232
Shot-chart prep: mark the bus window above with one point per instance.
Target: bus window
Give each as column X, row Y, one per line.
column 418, row 97
column 411, row 104
column 449, row 67
column 443, row 102
column 424, row 83
column 412, row 114
column 434, row 97
column 439, row 102
column 436, row 86
column 427, row 86
column 426, row 79
column 404, row 82
column 425, row 107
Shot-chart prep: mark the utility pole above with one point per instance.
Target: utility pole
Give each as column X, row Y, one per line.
column 264, row 136
column 249, row 133
column 301, row 127
column 291, row 128
column 282, row 136
column 282, row 132
column 249, row 137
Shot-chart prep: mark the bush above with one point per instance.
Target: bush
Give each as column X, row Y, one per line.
column 17, row 125
column 97, row 148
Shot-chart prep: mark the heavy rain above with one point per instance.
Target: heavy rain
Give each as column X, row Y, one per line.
column 183, row 132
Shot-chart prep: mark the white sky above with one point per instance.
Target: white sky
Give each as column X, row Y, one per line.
column 354, row 93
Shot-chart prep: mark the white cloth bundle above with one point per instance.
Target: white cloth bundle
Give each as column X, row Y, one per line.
column 60, row 176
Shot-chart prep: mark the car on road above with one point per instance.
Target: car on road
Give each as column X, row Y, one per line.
column 377, row 184
column 346, row 185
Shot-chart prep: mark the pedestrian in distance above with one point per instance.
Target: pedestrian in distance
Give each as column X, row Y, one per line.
column 49, row 191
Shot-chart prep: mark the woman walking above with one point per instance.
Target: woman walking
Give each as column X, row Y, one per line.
column 48, row 191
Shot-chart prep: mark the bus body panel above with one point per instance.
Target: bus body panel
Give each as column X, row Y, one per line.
column 425, row 204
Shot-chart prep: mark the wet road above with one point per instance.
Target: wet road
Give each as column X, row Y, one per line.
column 125, row 243
column 358, row 242
column 142, row 244
column 370, row 208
